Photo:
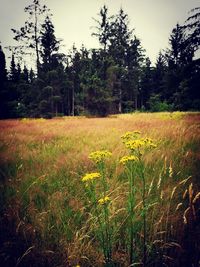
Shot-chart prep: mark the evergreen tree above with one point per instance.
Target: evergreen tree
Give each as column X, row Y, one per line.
column 3, row 79
column 179, row 58
column 51, row 72
column 98, row 96
column 29, row 34
column 121, row 60
column 119, row 42
column 49, row 45
column 19, row 71
column 13, row 70
column 192, row 28
column 3, row 71
column 134, row 61
column 103, row 28
column 146, row 84
column 103, row 34
column 181, row 52
column 25, row 75
column 159, row 74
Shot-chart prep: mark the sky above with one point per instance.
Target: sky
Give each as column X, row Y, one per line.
column 153, row 20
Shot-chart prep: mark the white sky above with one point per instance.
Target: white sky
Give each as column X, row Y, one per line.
column 153, row 20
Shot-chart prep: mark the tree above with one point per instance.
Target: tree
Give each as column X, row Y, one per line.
column 49, row 44
column 29, row 34
column 3, row 71
column 159, row 73
column 134, row 61
column 3, row 79
column 192, row 28
column 103, row 34
column 181, row 51
column 25, row 75
column 119, row 43
column 122, row 56
column 103, row 28
column 13, row 70
column 146, row 83
column 75, row 69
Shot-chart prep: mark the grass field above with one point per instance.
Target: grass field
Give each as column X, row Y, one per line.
column 49, row 216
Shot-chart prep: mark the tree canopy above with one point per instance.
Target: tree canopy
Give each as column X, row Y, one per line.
column 118, row 77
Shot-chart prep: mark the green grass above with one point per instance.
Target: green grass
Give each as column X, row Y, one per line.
column 43, row 161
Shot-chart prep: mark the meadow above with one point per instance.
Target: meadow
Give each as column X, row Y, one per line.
column 143, row 211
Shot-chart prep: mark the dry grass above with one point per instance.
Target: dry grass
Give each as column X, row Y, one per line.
column 42, row 162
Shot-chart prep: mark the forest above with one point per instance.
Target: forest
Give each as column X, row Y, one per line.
column 116, row 78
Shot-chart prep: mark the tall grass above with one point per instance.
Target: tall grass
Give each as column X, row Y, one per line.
column 47, row 204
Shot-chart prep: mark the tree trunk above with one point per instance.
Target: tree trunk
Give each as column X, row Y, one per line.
column 36, row 40
column 72, row 113
column 136, row 102
column 120, row 98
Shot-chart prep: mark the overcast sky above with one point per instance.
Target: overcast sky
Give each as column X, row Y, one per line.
column 153, row 20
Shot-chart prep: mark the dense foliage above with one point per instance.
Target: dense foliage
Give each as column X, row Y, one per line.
column 118, row 77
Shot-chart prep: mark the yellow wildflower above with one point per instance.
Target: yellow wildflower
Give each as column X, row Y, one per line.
column 103, row 200
column 149, row 143
column 126, row 159
column 90, row 176
column 140, row 143
column 99, row 156
column 129, row 135
column 135, row 144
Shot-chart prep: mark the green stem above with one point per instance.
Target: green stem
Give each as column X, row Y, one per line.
column 108, row 234
column 94, row 202
column 131, row 207
column 108, row 245
column 144, row 212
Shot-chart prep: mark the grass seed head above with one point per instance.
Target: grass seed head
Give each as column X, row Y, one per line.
column 196, row 197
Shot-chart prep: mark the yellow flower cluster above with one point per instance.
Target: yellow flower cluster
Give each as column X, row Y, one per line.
column 99, row 156
column 140, row 143
column 127, row 159
column 91, row 176
column 103, row 200
column 129, row 135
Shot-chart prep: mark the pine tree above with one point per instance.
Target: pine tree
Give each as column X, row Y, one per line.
column 178, row 57
column 146, row 84
column 121, row 60
column 134, row 61
column 3, row 79
column 3, row 71
column 25, row 75
column 49, row 44
column 192, row 28
column 103, row 28
column 13, row 70
column 120, row 40
column 103, row 33
column 181, row 52
column 159, row 74
column 31, row 76
column 75, row 57
column 29, row 34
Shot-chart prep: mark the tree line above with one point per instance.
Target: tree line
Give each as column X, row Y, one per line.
column 116, row 78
